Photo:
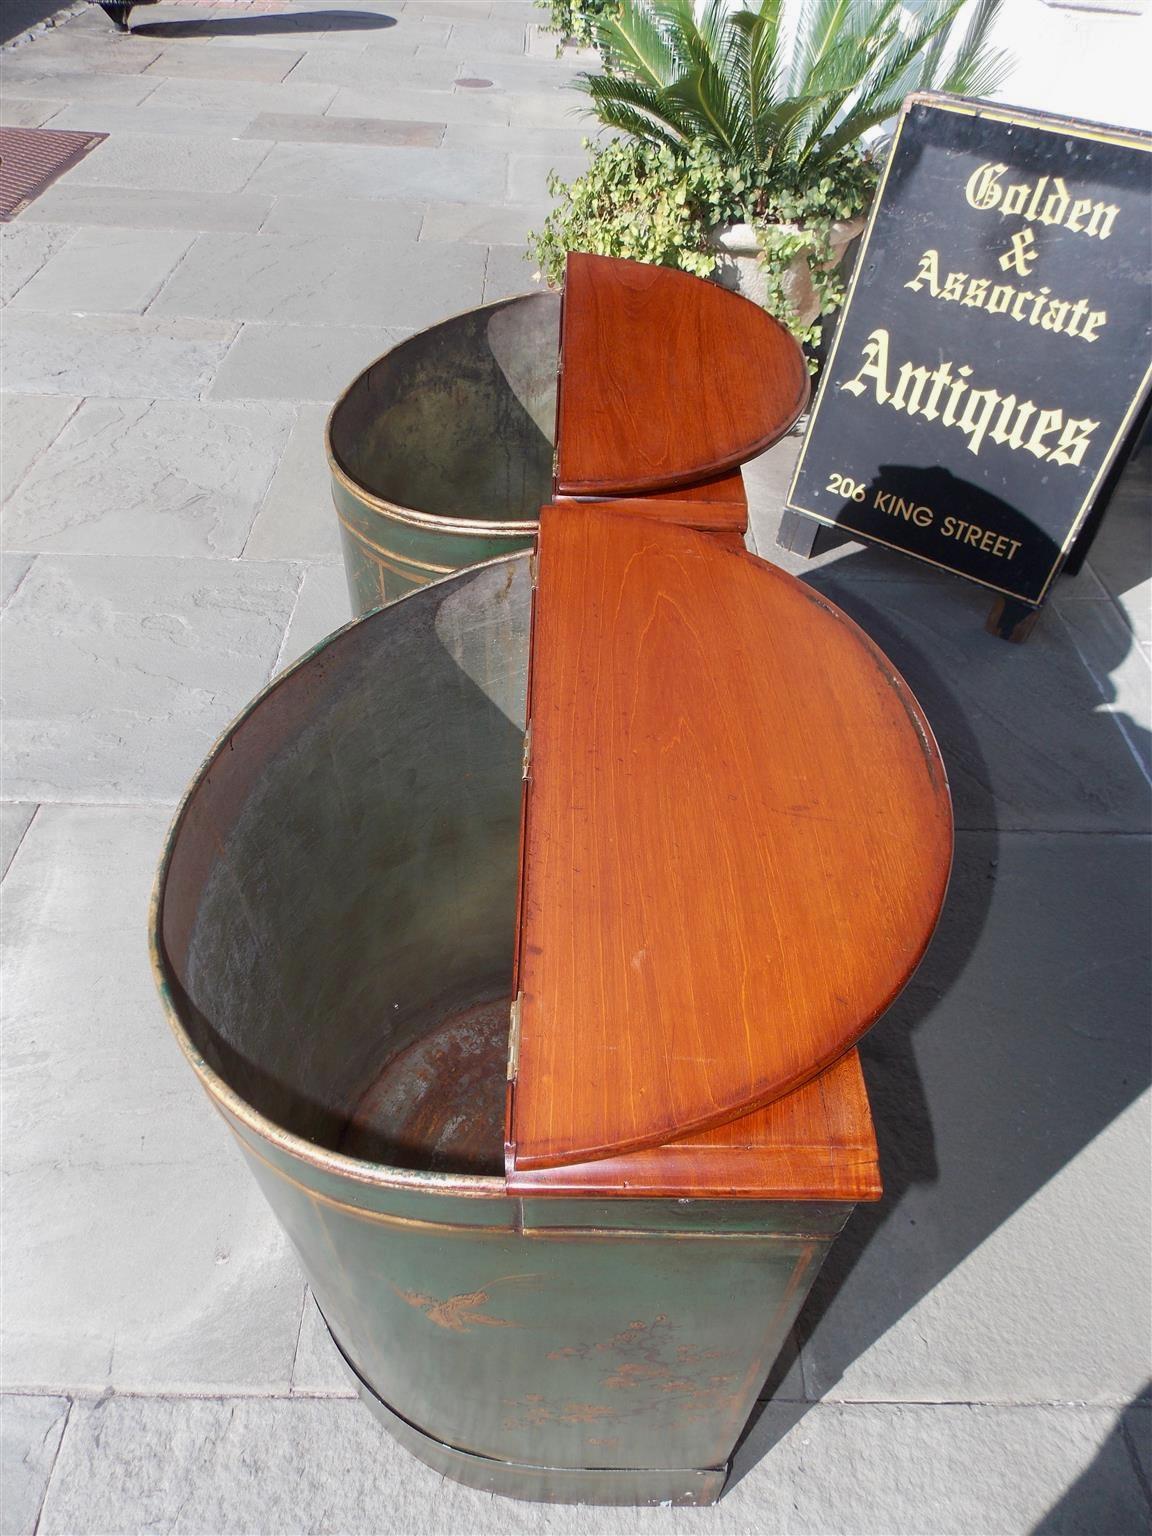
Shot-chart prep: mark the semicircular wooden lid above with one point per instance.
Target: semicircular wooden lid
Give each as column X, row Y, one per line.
column 736, row 844
column 665, row 379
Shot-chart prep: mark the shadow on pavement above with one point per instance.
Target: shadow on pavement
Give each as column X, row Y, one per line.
column 1088, row 1505
column 1024, row 1033
column 18, row 16
column 267, row 26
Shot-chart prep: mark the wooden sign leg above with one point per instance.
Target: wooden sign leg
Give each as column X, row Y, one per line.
column 1011, row 619
column 799, row 535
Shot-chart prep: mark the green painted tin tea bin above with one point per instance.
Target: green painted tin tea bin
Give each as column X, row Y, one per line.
column 441, row 451
column 522, row 933
column 334, row 935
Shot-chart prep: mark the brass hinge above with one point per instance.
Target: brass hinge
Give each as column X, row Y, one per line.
column 514, row 1037
column 534, row 567
column 524, row 764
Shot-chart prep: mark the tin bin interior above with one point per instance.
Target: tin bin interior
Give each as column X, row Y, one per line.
column 339, row 904
column 459, row 420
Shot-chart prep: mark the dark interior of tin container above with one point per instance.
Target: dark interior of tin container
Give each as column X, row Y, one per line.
column 459, row 420
column 338, row 914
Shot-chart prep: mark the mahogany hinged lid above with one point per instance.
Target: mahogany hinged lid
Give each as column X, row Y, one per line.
column 737, row 837
column 665, row 380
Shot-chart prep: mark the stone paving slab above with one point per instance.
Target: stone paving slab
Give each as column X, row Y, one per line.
column 510, row 271
column 528, row 175
column 1117, row 666
column 1008, row 1260
column 395, row 220
column 190, row 61
column 153, row 118
column 77, row 978
column 475, row 223
column 130, row 1277
column 20, row 112
column 318, row 1370
column 169, row 163
column 445, row 106
column 240, row 95
column 30, row 82
column 1138, row 1431
column 300, row 362
column 13, row 569
column 104, row 270
column 1122, row 552
column 557, row 108
column 122, row 671
column 156, row 477
column 324, row 605
column 475, row 38
column 138, row 1249
column 372, row 71
column 133, row 1465
column 311, row 277
column 296, row 520
column 65, row 57
column 119, row 355
column 547, row 77
column 302, row 128
column 24, row 249
column 358, row 172
column 411, row 32
column 14, row 820
column 30, row 1432
column 30, row 424
column 545, row 142
column 147, row 208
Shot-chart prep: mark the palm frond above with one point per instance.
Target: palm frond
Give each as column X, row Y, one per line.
column 977, row 69
column 638, row 109
column 701, row 96
column 726, row 79
column 752, row 68
column 818, row 26
column 634, row 43
column 888, row 81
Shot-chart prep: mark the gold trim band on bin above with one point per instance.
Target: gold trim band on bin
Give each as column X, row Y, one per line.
column 379, row 549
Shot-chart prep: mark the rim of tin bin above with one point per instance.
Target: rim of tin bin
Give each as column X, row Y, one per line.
column 434, row 521
column 379, row 1175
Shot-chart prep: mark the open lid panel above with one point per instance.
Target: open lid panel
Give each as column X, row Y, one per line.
column 665, row 380
column 719, row 505
column 737, row 837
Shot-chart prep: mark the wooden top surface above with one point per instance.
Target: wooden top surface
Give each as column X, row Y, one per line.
column 737, row 839
column 816, row 1143
column 665, row 379
column 719, row 505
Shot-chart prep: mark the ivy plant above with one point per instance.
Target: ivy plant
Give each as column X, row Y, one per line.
column 652, row 203
column 577, row 20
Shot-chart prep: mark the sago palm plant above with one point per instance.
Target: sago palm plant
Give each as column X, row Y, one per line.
column 765, row 99
column 749, row 123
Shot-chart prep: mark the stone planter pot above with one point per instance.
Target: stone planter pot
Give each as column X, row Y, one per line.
column 741, row 271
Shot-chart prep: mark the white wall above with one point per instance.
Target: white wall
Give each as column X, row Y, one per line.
column 1079, row 62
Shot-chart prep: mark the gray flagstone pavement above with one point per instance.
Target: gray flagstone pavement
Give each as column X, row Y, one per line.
column 280, row 198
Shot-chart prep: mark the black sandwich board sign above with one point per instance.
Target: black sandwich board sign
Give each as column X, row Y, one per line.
column 995, row 348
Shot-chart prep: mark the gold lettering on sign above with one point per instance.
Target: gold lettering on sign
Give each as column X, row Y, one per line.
column 1025, row 306
column 1044, row 201
column 944, row 392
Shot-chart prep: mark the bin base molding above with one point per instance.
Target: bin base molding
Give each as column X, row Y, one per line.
column 623, row 1486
